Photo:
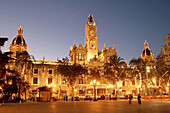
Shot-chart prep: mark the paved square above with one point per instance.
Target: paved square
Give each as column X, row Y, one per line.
column 88, row 107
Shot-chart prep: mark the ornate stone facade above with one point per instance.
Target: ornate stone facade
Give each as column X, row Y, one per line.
column 166, row 50
column 44, row 72
column 147, row 55
column 89, row 54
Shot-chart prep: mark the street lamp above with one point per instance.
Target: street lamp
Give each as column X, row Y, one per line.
column 52, row 87
column 110, row 86
column 94, row 83
column 167, row 88
column 147, row 71
column 154, row 80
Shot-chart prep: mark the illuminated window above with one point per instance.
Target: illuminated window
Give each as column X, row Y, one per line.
column 35, row 80
column 35, row 71
column 50, row 80
column 80, row 57
column 81, row 92
column 64, row 81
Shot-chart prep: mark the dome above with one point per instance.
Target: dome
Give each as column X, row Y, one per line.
column 19, row 40
column 147, row 51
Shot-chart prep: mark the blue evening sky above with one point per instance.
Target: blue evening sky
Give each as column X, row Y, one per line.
column 51, row 26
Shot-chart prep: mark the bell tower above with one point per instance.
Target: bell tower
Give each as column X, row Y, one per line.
column 91, row 38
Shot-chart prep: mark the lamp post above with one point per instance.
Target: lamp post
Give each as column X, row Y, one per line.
column 147, row 71
column 110, row 86
column 52, row 87
column 154, row 85
column 167, row 88
column 94, row 83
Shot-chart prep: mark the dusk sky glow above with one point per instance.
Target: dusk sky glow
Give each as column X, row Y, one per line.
column 51, row 26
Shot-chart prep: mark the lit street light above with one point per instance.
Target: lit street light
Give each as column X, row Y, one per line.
column 94, row 83
column 52, row 87
column 147, row 71
column 110, row 86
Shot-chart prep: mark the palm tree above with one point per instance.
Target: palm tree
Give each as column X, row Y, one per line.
column 23, row 62
column 113, row 69
column 2, row 42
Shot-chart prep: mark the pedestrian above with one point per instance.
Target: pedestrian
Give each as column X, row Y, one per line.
column 64, row 98
column 130, row 99
column 139, row 99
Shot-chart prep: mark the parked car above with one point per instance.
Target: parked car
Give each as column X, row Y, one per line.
column 88, row 98
column 123, row 97
column 77, row 99
column 101, row 98
column 114, row 98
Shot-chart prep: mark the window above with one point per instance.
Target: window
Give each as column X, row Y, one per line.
column 50, row 80
column 64, row 81
column 123, row 83
column 35, row 71
column 17, row 52
column 80, row 57
column 80, row 81
column 35, row 80
column 133, row 82
column 71, row 58
column 50, row 71
column 81, row 93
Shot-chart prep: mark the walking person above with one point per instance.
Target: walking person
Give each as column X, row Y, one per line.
column 66, row 98
column 130, row 99
column 139, row 99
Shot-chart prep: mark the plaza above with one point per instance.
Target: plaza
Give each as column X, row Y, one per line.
column 120, row 106
column 93, row 68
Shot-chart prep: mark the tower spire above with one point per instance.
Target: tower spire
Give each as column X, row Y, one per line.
column 20, row 31
column 104, row 46
column 114, row 47
column 90, row 19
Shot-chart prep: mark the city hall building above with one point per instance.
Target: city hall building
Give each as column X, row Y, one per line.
column 43, row 72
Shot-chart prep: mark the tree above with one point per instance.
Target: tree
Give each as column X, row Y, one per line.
column 95, row 73
column 160, row 64
column 113, row 69
column 163, row 75
column 71, row 72
column 4, row 60
column 23, row 62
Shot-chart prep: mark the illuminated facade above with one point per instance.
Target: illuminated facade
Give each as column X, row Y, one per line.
column 89, row 54
column 148, row 56
column 166, row 50
column 44, row 72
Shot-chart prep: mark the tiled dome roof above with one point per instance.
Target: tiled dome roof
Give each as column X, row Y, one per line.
column 19, row 40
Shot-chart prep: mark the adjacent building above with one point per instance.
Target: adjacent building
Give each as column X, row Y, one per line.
column 166, row 50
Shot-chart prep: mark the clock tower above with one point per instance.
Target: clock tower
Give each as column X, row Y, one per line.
column 91, row 38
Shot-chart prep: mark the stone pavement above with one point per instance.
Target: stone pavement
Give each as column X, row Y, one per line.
column 87, row 107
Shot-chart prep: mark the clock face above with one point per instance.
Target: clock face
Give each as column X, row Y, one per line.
column 91, row 33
